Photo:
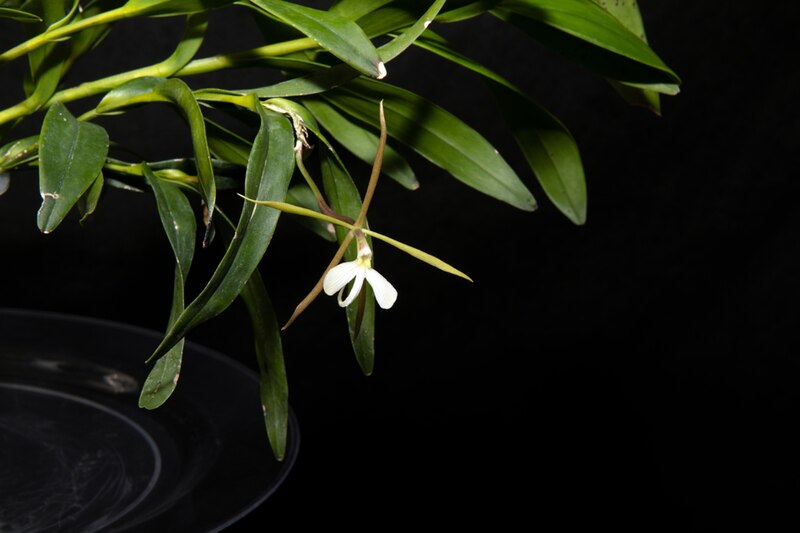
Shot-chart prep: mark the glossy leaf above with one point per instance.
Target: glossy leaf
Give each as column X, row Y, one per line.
column 548, row 146
column 178, row 219
column 587, row 34
column 340, row 36
column 361, row 142
column 269, row 170
column 273, row 386
column 175, row 91
column 71, row 156
column 344, row 198
column 399, row 44
column 18, row 15
column 19, row 152
column 437, row 135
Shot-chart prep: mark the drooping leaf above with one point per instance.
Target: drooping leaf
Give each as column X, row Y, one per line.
column 174, row 91
column 269, row 169
column 71, row 156
column 627, row 12
column 227, row 145
column 344, row 198
column 589, row 35
column 178, row 220
column 437, row 135
column 274, row 388
column 548, row 146
column 340, row 36
column 361, row 142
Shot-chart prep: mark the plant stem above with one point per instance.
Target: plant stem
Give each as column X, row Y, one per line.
column 63, row 32
column 245, row 57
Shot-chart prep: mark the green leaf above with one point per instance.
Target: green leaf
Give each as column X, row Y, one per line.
column 467, row 11
column 399, row 44
column 88, row 202
column 548, row 146
column 269, row 170
column 344, row 198
column 171, row 7
column 361, row 142
column 227, row 145
column 18, row 15
column 587, row 34
column 627, row 12
column 303, row 195
column 71, row 156
column 274, row 388
column 19, row 152
column 355, row 9
column 174, row 91
column 437, row 135
column 178, row 220
column 340, row 36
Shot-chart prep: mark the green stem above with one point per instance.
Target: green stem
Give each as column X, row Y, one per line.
column 245, row 57
column 63, row 32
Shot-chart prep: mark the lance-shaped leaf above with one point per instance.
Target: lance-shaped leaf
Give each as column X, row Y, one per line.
column 362, row 143
column 18, row 15
column 71, row 156
column 178, row 220
column 326, row 78
column 340, row 36
column 171, row 7
column 344, row 198
column 227, row 145
column 176, row 92
column 548, row 146
column 589, row 35
column 269, row 169
column 437, row 135
column 627, row 12
column 274, row 387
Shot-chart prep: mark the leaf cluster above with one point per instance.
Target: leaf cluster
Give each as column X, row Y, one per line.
column 332, row 71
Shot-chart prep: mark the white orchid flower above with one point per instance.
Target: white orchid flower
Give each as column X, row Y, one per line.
column 357, row 271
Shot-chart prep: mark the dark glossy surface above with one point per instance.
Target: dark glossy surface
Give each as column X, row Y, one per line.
column 79, row 455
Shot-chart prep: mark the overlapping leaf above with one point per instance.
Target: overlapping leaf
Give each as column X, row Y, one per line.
column 178, row 219
column 71, row 156
column 269, row 169
column 437, row 135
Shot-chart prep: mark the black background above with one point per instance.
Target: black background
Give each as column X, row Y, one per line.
column 639, row 372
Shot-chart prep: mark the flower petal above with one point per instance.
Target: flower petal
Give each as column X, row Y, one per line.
column 338, row 277
column 385, row 293
column 359, row 281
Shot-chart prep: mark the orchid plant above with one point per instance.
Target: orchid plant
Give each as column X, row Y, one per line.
column 333, row 98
